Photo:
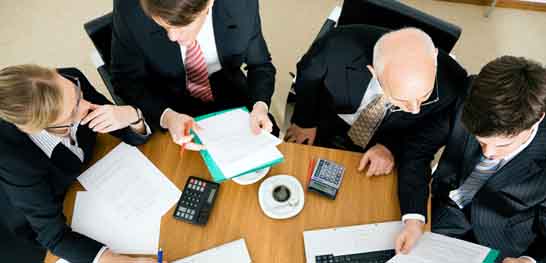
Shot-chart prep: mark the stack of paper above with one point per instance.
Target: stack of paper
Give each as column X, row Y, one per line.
column 231, row 148
column 433, row 248
column 233, row 252
column 125, row 200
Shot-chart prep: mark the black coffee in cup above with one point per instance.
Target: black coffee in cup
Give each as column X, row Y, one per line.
column 281, row 193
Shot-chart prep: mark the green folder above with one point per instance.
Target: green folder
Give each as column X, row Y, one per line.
column 491, row 256
column 214, row 170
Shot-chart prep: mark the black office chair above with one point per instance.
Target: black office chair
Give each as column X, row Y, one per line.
column 393, row 15
column 100, row 32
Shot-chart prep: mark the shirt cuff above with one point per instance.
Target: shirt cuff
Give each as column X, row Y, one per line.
column 265, row 104
column 148, row 130
column 97, row 257
column 414, row 216
column 163, row 115
column 529, row 258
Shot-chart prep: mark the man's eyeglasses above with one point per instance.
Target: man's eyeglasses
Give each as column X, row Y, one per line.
column 397, row 109
column 63, row 128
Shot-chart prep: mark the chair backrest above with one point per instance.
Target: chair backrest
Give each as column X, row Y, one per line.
column 100, row 32
column 394, row 15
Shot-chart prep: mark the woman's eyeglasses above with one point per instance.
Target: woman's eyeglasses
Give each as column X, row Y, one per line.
column 73, row 116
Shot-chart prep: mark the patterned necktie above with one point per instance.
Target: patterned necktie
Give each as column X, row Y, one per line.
column 463, row 195
column 197, row 78
column 367, row 122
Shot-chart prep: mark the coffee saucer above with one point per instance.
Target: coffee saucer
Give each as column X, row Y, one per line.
column 281, row 210
column 251, row 178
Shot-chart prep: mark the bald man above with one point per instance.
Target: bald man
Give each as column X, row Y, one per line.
column 353, row 66
column 367, row 89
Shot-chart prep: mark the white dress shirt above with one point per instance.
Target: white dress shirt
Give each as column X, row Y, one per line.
column 373, row 90
column 207, row 42
column 47, row 142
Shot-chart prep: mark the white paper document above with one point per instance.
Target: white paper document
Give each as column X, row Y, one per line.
column 234, row 148
column 125, row 200
column 233, row 252
column 433, row 247
column 350, row 239
column 93, row 218
column 130, row 183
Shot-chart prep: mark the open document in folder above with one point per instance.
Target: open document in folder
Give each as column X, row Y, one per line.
column 231, row 148
column 433, row 248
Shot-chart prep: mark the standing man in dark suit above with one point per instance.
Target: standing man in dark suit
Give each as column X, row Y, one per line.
column 178, row 57
column 490, row 184
column 366, row 89
column 48, row 124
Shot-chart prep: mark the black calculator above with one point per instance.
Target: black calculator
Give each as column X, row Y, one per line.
column 326, row 178
column 196, row 201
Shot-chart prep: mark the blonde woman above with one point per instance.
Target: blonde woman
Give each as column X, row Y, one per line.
column 48, row 123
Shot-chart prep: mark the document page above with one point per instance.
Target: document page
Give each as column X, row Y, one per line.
column 233, row 252
column 130, row 184
column 94, row 218
column 351, row 239
column 439, row 248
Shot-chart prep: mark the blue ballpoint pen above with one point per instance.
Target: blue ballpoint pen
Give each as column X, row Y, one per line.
column 160, row 256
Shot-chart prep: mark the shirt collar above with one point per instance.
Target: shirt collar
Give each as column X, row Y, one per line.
column 523, row 146
column 48, row 141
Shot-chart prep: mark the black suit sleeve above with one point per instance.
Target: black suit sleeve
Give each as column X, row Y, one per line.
column 261, row 72
column 90, row 93
column 393, row 140
column 130, row 76
column 536, row 250
column 309, row 86
column 414, row 172
column 28, row 190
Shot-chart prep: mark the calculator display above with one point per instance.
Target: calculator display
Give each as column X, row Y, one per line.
column 211, row 195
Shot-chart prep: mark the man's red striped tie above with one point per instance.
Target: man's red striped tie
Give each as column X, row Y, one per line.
column 197, row 77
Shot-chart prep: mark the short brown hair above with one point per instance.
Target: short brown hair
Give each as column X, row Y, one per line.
column 174, row 12
column 507, row 97
column 29, row 96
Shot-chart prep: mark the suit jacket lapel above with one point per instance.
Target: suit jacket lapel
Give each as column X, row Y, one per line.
column 523, row 165
column 357, row 79
column 166, row 53
column 225, row 29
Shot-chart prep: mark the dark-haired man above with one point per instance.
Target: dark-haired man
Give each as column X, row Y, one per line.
column 489, row 187
column 172, row 57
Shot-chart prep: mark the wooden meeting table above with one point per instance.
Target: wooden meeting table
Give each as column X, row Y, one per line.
column 237, row 213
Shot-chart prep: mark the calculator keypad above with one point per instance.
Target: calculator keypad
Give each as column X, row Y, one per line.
column 328, row 173
column 189, row 205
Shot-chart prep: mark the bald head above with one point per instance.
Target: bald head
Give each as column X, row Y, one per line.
column 405, row 64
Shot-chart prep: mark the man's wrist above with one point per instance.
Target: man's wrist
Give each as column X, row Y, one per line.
column 164, row 116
